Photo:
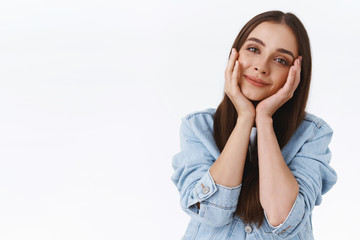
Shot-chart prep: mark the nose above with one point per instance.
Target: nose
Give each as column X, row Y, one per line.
column 262, row 68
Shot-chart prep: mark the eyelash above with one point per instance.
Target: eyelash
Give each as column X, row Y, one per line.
column 282, row 61
column 256, row 50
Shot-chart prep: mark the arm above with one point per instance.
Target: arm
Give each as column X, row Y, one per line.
column 228, row 168
column 210, row 200
column 287, row 203
column 192, row 176
column 309, row 164
column 210, row 189
column 278, row 187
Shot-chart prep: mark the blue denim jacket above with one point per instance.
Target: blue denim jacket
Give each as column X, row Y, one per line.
column 306, row 154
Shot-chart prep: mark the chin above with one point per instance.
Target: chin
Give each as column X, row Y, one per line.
column 253, row 96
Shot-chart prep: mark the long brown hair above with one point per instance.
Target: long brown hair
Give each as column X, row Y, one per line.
column 285, row 120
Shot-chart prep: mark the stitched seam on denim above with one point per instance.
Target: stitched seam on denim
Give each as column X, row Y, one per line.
column 318, row 123
column 228, row 188
column 289, row 216
column 200, row 206
column 219, row 206
column 197, row 195
column 187, row 117
column 315, row 131
column 216, row 233
column 197, row 230
column 300, row 236
column 231, row 230
column 256, row 235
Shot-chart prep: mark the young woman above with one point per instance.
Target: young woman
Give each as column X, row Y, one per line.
column 255, row 167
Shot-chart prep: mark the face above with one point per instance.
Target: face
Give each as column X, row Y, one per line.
column 265, row 60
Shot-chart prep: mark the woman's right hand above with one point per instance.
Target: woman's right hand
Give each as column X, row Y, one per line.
column 244, row 106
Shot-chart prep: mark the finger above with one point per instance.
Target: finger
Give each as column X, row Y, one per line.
column 294, row 78
column 298, row 79
column 297, row 74
column 231, row 63
column 229, row 70
column 235, row 75
column 289, row 81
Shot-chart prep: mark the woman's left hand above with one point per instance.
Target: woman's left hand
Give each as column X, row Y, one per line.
column 268, row 106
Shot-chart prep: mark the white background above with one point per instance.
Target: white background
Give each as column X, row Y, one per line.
column 91, row 96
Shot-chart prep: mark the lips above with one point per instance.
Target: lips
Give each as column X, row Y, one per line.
column 256, row 81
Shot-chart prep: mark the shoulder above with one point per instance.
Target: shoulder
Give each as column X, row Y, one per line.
column 313, row 130
column 314, row 125
column 313, row 119
column 197, row 127
column 199, row 120
column 208, row 112
column 313, row 136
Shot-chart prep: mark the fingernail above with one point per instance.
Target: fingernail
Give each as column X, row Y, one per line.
column 300, row 58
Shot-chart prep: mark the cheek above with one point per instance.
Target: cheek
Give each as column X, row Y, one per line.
column 245, row 62
column 281, row 79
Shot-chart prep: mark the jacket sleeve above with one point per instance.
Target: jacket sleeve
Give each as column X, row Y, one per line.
column 194, row 181
column 315, row 177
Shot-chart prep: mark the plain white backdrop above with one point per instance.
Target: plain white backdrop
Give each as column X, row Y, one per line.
column 91, row 96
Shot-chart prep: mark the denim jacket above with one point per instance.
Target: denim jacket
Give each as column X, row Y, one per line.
column 306, row 154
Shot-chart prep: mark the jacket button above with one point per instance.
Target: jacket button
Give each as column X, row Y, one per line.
column 248, row 229
column 205, row 189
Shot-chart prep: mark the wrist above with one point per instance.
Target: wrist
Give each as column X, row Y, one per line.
column 246, row 119
column 263, row 119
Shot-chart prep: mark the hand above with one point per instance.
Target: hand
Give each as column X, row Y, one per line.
column 243, row 106
column 268, row 106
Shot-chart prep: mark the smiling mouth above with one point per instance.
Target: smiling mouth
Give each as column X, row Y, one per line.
column 255, row 81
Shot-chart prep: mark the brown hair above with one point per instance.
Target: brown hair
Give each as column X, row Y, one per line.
column 285, row 120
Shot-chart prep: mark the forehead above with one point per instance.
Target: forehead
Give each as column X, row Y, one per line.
column 275, row 36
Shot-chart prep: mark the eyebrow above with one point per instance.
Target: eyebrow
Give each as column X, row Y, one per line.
column 282, row 50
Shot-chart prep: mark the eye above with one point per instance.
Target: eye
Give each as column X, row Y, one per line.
column 253, row 49
column 281, row 61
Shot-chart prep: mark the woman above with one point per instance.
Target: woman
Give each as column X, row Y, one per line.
column 256, row 167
